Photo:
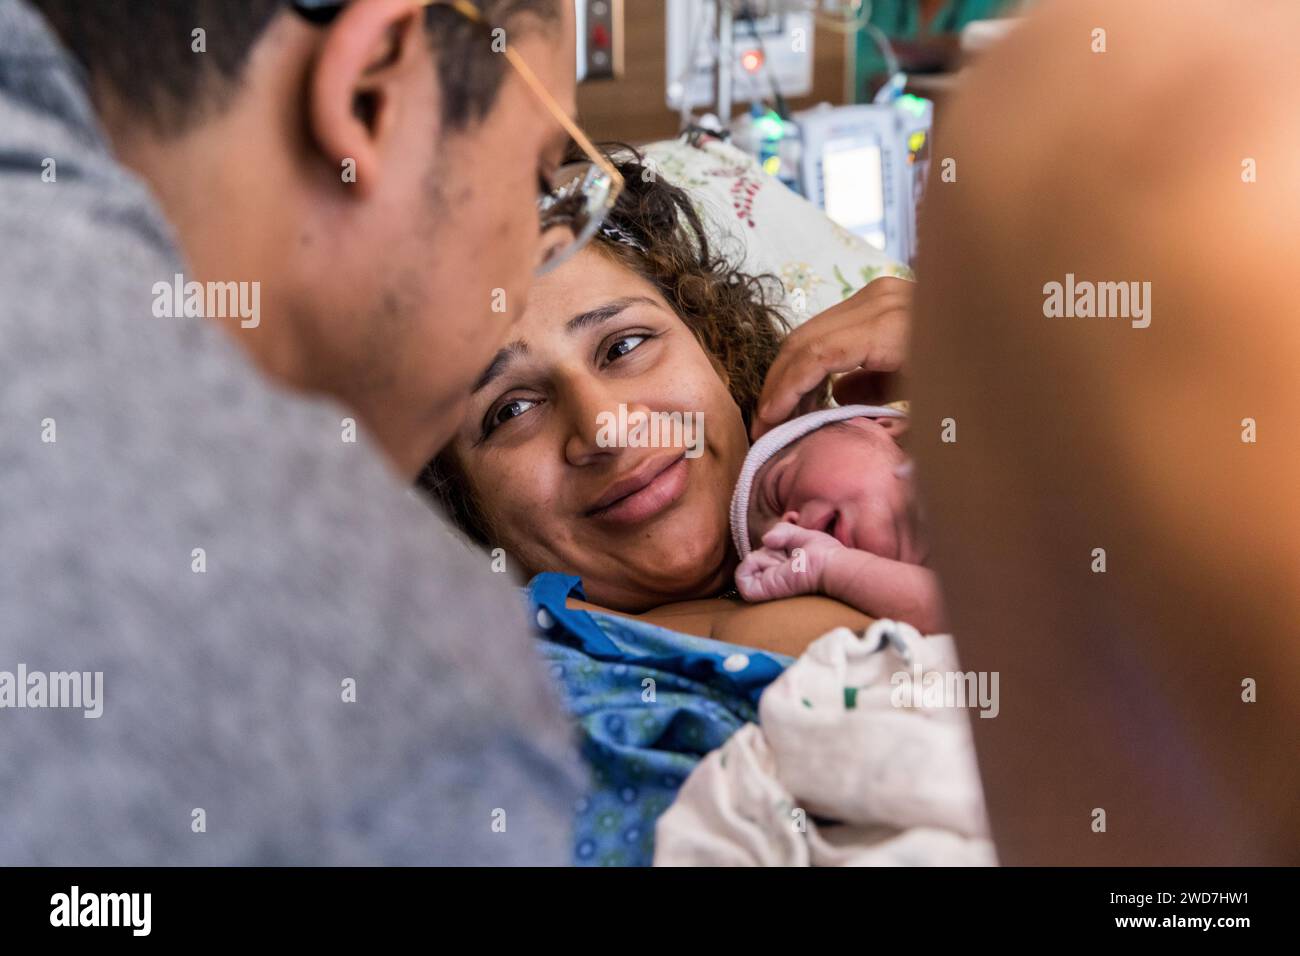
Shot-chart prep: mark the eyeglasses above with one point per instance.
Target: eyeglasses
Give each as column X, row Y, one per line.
column 579, row 196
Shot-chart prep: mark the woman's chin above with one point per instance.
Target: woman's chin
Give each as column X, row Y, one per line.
column 650, row 577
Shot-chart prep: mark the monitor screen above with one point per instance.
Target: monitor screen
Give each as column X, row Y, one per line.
column 854, row 189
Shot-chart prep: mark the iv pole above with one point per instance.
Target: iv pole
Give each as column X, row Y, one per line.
column 726, row 40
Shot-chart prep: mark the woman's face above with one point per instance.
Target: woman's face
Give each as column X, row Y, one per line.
column 642, row 526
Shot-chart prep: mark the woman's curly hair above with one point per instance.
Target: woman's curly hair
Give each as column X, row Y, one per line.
column 655, row 231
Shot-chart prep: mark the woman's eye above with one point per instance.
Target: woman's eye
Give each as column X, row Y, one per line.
column 624, row 345
column 511, row 409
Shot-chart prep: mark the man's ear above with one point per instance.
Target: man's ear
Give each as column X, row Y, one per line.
column 357, row 81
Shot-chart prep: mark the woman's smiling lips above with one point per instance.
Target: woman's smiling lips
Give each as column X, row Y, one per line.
column 644, row 494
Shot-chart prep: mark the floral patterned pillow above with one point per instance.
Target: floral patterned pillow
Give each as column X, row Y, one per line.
column 767, row 228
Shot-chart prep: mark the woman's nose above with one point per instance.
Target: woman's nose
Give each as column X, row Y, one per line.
column 600, row 422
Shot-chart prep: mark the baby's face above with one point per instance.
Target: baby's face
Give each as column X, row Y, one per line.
column 850, row 480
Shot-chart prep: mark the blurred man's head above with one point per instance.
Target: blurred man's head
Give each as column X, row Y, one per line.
column 376, row 171
column 1113, row 538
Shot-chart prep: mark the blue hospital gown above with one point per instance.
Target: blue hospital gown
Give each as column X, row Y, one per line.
column 649, row 703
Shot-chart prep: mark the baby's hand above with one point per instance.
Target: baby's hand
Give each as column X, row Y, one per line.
column 791, row 561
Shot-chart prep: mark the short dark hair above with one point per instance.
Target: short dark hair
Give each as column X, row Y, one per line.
column 142, row 51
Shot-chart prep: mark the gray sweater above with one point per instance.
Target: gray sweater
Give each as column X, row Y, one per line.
column 227, row 732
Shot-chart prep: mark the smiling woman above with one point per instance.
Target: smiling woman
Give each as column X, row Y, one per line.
column 647, row 323
column 652, row 320
column 640, row 526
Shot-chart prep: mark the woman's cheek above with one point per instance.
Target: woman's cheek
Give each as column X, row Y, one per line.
column 509, row 516
column 728, row 443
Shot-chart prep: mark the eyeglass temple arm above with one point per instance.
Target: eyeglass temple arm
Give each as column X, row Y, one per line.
column 570, row 127
column 471, row 12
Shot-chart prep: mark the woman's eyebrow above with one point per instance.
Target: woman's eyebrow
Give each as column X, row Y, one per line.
column 499, row 363
column 604, row 313
column 502, row 360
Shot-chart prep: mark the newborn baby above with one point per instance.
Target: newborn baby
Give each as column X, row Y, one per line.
column 825, row 504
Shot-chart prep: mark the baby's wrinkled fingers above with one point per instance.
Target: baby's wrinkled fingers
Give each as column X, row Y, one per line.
column 754, row 564
column 770, row 585
column 780, row 535
column 750, row 584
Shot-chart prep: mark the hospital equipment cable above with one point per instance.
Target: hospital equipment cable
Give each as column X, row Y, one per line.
column 747, row 16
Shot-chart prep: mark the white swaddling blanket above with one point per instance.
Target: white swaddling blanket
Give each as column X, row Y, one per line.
column 842, row 737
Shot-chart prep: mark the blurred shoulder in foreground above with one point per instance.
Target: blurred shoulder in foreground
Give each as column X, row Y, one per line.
column 1106, row 312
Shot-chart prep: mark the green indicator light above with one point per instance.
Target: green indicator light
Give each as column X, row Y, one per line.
column 913, row 104
column 770, row 125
